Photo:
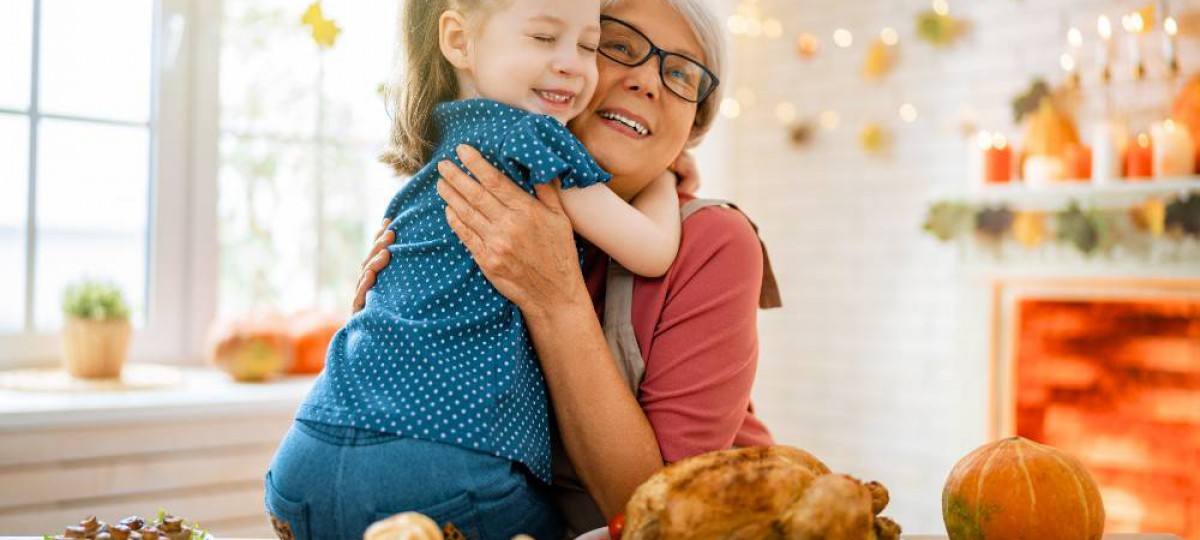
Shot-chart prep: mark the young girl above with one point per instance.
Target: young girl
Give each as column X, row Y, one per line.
column 432, row 399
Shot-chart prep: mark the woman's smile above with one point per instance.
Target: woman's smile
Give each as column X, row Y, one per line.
column 625, row 122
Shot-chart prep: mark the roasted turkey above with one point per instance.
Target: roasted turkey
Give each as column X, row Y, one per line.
column 768, row 493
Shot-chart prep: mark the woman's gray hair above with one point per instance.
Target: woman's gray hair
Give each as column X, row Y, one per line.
column 708, row 32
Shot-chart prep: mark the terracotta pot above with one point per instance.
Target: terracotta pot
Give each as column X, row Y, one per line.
column 95, row 349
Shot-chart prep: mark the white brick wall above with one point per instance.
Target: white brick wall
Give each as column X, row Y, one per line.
column 867, row 365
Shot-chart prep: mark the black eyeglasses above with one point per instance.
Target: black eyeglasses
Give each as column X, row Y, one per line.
column 683, row 76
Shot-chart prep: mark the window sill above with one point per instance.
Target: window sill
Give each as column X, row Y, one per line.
column 201, row 393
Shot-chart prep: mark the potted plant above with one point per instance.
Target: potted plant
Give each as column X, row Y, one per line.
column 96, row 331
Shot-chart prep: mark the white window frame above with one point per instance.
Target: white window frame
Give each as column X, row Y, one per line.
column 182, row 266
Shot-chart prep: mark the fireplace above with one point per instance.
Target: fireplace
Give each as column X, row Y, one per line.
column 1108, row 370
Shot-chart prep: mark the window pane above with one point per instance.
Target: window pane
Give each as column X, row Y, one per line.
column 95, row 58
column 357, row 190
column 16, row 36
column 355, row 67
column 14, row 181
column 269, row 70
column 267, row 225
column 91, row 211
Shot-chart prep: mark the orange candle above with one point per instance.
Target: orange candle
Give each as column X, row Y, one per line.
column 1078, row 158
column 1139, row 160
column 997, row 159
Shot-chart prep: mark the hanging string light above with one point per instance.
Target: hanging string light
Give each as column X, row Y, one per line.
column 749, row 21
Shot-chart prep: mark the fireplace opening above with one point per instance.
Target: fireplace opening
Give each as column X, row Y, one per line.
column 1115, row 381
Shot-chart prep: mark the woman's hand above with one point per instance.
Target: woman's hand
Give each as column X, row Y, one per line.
column 524, row 245
column 376, row 260
column 686, row 173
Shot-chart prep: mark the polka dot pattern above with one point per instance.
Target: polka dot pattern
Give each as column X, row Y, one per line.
column 437, row 353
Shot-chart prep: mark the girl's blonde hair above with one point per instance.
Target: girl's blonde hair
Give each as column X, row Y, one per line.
column 426, row 80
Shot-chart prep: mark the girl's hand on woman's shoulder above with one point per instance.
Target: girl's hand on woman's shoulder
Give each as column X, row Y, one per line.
column 687, row 175
column 376, row 260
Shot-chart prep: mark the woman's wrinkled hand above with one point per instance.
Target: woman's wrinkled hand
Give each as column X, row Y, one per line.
column 525, row 246
column 686, row 173
column 376, row 260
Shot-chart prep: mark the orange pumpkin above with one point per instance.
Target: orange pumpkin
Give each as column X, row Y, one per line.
column 1047, row 133
column 251, row 349
column 311, row 333
column 1016, row 488
column 1187, row 112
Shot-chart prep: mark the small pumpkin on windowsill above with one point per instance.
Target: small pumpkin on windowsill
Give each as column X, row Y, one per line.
column 254, row 348
column 96, row 330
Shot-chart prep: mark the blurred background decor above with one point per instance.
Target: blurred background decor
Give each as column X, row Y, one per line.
column 965, row 254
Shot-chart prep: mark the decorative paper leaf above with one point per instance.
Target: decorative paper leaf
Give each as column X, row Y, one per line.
column 324, row 31
column 312, row 15
column 1183, row 216
column 1030, row 101
column 1150, row 216
column 993, row 223
column 873, row 138
column 1029, row 228
column 947, row 220
column 940, row 30
column 800, row 134
column 878, row 62
column 1084, row 230
column 807, row 46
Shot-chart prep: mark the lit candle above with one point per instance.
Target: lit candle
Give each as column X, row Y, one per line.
column 1104, row 28
column 1174, row 152
column 1139, row 161
column 1170, row 46
column 997, row 158
column 1109, row 140
column 1077, row 162
column 1074, row 41
column 1134, row 25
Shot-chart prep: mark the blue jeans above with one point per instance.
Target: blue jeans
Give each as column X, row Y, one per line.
column 331, row 482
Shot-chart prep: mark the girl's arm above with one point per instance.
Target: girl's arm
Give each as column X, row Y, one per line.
column 643, row 237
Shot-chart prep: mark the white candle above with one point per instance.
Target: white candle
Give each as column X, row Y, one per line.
column 976, row 146
column 1174, row 152
column 1170, row 47
column 1134, row 25
column 1104, row 28
column 1074, row 43
column 1109, row 139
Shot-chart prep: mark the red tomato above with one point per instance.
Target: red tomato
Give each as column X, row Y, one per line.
column 616, row 526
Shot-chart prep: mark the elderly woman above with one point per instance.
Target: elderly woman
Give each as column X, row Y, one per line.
column 668, row 374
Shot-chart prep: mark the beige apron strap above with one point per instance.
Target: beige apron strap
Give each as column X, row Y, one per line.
column 618, row 305
column 618, row 326
column 768, row 296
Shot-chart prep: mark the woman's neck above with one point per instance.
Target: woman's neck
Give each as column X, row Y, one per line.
column 627, row 187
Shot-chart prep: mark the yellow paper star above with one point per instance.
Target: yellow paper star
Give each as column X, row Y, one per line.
column 878, row 62
column 1029, row 228
column 873, row 138
column 324, row 31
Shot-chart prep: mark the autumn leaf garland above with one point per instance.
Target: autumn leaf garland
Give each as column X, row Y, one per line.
column 1088, row 230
